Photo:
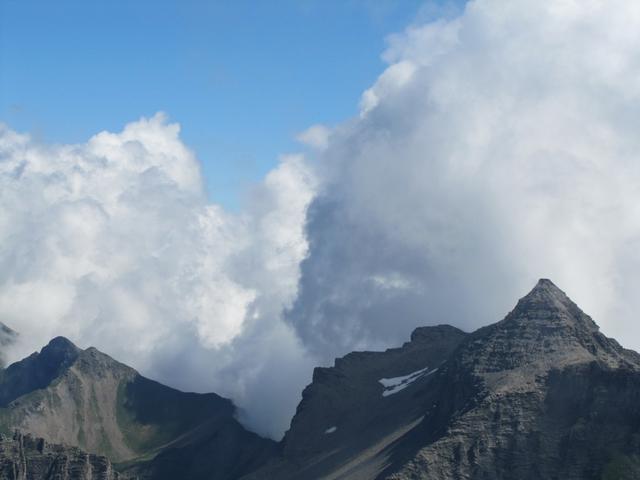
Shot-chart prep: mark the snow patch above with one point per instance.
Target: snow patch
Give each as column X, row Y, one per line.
column 330, row 430
column 397, row 384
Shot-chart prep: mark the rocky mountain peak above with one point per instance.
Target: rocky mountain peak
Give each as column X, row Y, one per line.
column 545, row 291
column 38, row 370
column 59, row 351
column 545, row 330
column 546, row 303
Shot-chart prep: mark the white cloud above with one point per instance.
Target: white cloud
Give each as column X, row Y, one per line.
column 114, row 244
column 499, row 146
column 316, row 136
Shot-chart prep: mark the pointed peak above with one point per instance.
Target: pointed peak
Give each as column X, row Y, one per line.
column 546, row 302
column 544, row 284
column 546, row 292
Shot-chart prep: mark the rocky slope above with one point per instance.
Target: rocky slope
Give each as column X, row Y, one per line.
column 540, row 395
column 85, row 398
column 23, row 457
column 353, row 411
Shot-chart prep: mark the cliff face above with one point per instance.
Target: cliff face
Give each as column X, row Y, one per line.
column 352, row 412
column 23, row 457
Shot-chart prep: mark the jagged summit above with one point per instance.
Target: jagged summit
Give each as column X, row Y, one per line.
column 550, row 309
column 546, row 283
column 545, row 330
column 547, row 297
column 546, row 290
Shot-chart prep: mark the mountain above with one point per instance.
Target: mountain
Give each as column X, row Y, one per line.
column 86, row 399
column 354, row 410
column 541, row 394
column 25, row 457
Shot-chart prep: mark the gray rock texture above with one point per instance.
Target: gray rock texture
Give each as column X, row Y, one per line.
column 349, row 398
column 23, row 457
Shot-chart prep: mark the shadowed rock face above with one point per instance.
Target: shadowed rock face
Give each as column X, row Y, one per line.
column 37, row 371
column 348, row 416
column 24, row 457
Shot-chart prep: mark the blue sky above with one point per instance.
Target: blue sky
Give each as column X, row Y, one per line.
column 241, row 77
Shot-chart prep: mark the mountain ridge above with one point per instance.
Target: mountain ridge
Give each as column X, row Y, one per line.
column 85, row 398
column 541, row 394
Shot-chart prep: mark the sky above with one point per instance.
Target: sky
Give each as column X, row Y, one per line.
column 71, row 68
column 489, row 145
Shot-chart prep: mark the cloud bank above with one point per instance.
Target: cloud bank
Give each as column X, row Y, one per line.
column 114, row 244
column 499, row 146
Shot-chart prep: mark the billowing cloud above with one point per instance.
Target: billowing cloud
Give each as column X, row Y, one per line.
column 499, row 146
column 316, row 136
column 114, row 244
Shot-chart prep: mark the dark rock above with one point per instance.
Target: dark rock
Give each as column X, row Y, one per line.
column 23, row 457
column 346, row 418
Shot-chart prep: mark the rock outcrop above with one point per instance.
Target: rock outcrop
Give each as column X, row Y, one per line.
column 23, row 457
